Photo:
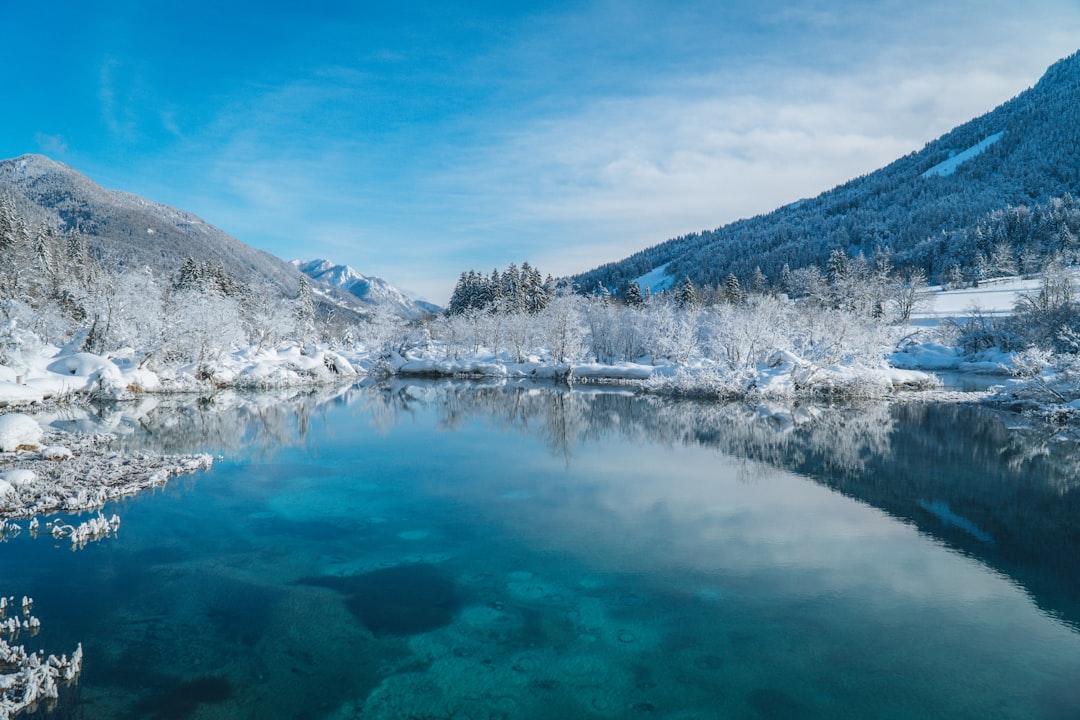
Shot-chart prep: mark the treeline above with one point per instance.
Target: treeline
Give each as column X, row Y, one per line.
column 510, row 291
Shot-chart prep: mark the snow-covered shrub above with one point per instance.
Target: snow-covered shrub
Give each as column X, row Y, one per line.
column 614, row 330
column 200, row 326
column 561, row 328
column 672, row 331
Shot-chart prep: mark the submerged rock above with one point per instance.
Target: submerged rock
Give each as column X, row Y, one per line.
column 397, row 601
column 184, row 699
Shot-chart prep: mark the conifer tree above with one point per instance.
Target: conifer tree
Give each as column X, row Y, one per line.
column 304, row 311
column 687, row 295
column 758, row 282
column 732, row 290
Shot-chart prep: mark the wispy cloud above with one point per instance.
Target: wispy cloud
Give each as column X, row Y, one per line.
column 575, row 137
column 624, row 173
column 54, row 145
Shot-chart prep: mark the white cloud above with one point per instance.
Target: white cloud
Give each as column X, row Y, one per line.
column 627, row 172
column 570, row 172
column 54, row 145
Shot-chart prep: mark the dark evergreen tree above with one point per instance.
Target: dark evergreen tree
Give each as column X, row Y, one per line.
column 732, row 290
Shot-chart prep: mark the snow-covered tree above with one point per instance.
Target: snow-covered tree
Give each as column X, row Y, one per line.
column 304, row 312
column 687, row 295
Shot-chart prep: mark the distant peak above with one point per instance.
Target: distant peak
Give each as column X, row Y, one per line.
column 35, row 160
column 34, row 165
column 1064, row 70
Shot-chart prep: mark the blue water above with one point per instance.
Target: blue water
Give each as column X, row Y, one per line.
column 448, row 551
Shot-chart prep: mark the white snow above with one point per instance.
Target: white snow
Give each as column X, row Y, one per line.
column 17, row 430
column 19, row 478
column 88, row 475
column 373, row 291
column 992, row 297
column 948, row 167
column 656, row 280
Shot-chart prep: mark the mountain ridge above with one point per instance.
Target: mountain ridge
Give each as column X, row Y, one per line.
column 124, row 230
column 367, row 288
column 921, row 216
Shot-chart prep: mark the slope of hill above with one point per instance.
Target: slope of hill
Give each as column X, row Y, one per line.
column 923, row 206
column 124, row 230
column 372, row 291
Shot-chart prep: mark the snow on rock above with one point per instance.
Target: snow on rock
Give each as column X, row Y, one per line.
column 619, row 371
column 81, row 365
column 55, row 453
column 936, row 357
column 140, row 380
column 785, row 375
column 18, row 430
column 926, row 356
column 12, row 393
column 93, row 373
column 287, row 366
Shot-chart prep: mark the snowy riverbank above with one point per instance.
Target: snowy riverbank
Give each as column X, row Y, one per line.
column 74, row 473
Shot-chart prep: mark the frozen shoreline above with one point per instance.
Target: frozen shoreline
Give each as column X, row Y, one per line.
column 47, row 481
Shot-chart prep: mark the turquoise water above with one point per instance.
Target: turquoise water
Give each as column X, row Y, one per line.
column 451, row 551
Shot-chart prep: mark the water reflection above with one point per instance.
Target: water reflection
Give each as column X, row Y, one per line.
column 464, row 542
column 974, row 479
column 258, row 424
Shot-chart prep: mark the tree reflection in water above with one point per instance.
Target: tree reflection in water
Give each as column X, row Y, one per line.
column 978, row 480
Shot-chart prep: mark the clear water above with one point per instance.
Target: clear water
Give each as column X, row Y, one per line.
column 449, row 551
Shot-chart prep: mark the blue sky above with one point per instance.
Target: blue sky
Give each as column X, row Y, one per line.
column 414, row 140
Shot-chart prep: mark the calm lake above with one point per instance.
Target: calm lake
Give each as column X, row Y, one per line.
column 459, row 551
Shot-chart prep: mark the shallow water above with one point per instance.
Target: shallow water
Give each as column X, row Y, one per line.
column 457, row 551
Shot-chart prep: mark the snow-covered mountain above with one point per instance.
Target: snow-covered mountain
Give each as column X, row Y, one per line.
column 933, row 209
column 125, row 230
column 373, row 291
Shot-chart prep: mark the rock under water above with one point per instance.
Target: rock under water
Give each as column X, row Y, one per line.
column 397, row 601
column 185, row 698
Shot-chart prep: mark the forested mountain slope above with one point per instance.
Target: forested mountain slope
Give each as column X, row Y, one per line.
column 1008, row 175
column 126, row 231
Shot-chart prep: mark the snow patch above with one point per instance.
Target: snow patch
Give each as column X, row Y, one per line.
column 18, row 430
column 948, row 167
column 657, row 279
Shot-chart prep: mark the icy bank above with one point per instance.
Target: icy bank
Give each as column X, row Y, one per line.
column 48, row 472
column 783, row 375
column 50, row 373
column 75, row 473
